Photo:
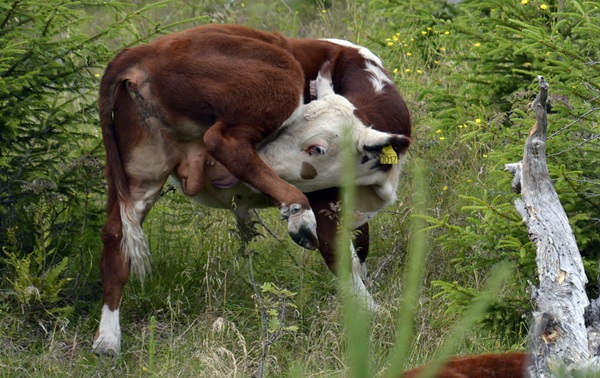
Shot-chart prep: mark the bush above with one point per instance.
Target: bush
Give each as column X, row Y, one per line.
column 51, row 181
column 492, row 54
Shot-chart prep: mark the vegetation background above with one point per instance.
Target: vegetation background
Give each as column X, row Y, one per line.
column 468, row 72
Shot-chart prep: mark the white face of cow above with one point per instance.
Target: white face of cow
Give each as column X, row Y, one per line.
column 308, row 151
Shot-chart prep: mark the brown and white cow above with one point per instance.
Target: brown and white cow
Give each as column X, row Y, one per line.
column 359, row 76
column 200, row 103
column 490, row 365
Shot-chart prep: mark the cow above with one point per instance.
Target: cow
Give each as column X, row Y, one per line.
column 359, row 76
column 490, row 365
column 208, row 106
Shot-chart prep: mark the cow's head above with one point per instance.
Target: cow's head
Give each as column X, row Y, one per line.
column 308, row 151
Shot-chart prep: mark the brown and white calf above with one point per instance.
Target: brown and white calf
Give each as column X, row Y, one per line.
column 359, row 76
column 201, row 105
column 491, row 365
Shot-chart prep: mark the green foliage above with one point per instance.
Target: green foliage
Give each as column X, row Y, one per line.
column 489, row 53
column 36, row 281
column 51, row 184
column 276, row 302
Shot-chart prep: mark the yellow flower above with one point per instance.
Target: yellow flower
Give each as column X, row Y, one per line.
column 445, row 188
column 436, row 61
column 424, row 32
column 442, row 138
column 469, row 180
column 397, row 34
column 477, row 44
column 97, row 75
column 395, row 39
column 419, row 72
column 408, row 54
column 243, row 5
column 446, row 32
column 324, row 11
column 524, row 2
column 543, row 6
column 395, row 70
column 407, row 70
column 429, row 29
column 485, row 155
column 478, row 120
column 438, row 131
column 390, row 44
column 442, row 49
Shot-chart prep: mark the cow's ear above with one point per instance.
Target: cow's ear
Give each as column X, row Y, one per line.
column 399, row 143
column 390, row 153
column 390, row 144
column 324, row 83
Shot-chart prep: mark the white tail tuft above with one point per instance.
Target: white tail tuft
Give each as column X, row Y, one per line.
column 134, row 243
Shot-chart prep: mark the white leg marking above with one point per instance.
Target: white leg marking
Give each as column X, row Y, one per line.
column 134, row 242
column 359, row 274
column 109, row 332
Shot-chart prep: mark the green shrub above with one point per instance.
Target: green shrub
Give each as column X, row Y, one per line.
column 51, row 179
column 493, row 51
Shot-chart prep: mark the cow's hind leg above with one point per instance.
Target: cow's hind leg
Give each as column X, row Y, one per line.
column 234, row 147
column 125, row 250
column 114, row 269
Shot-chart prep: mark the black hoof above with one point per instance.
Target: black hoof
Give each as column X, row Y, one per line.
column 305, row 238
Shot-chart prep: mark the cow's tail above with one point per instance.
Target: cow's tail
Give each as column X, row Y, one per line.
column 133, row 243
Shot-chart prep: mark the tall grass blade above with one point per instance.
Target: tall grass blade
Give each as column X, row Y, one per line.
column 355, row 314
column 417, row 254
column 152, row 345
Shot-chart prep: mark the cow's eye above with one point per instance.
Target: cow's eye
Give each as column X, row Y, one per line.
column 316, row 150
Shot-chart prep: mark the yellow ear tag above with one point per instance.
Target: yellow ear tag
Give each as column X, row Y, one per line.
column 388, row 155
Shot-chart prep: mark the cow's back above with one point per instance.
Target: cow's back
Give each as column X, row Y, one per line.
column 182, row 75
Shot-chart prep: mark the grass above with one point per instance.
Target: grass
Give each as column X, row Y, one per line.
column 198, row 315
column 207, row 322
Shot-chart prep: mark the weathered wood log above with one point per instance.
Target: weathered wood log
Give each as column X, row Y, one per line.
column 559, row 337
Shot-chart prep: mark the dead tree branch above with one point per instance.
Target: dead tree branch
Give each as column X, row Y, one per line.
column 559, row 337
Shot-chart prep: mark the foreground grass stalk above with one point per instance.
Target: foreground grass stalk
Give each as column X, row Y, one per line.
column 152, row 345
column 417, row 254
column 356, row 320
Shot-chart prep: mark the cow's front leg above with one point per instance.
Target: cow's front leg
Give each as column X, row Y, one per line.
column 234, row 147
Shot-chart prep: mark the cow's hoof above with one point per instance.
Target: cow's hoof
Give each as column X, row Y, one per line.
column 105, row 347
column 302, row 226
